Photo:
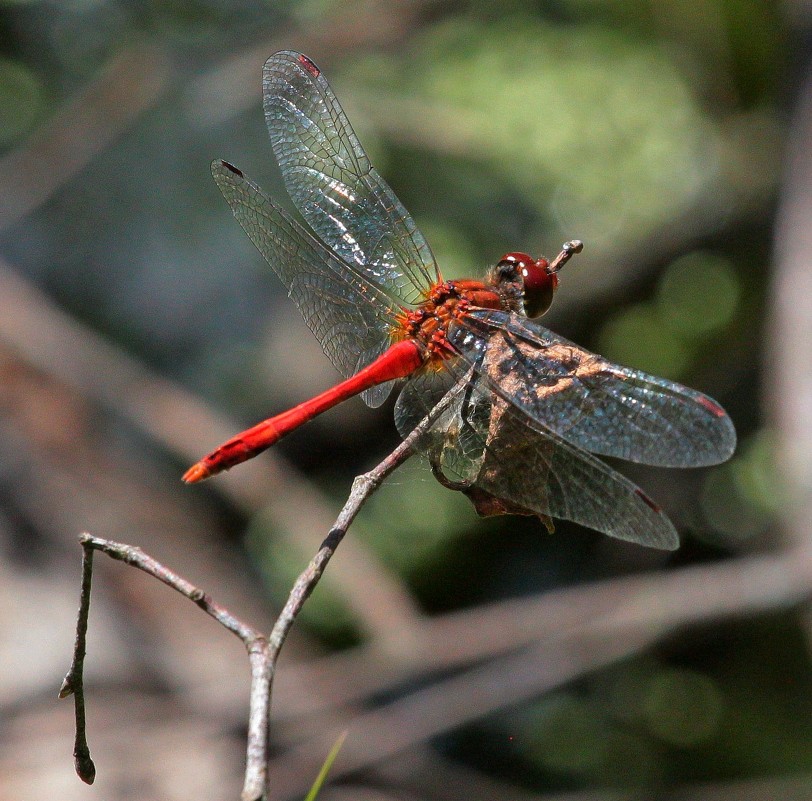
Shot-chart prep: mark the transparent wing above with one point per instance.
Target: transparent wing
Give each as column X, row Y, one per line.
column 489, row 446
column 590, row 402
column 447, row 441
column 349, row 316
column 334, row 186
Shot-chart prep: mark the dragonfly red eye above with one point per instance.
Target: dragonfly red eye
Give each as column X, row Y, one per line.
column 540, row 285
column 540, row 282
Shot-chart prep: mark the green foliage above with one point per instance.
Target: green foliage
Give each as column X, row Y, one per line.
column 609, row 141
column 280, row 564
column 572, row 736
column 637, row 337
column 22, row 100
column 325, row 768
column 643, row 723
column 682, row 707
column 698, row 296
column 412, row 521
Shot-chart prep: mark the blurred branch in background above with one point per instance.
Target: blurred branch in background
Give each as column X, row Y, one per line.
column 230, row 88
column 649, row 605
column 789, row 386
column 63, row 348
column 82, row 129
column 569, row 633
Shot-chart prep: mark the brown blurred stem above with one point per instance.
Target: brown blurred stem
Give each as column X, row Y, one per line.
column 263, row 652
column 131, row 83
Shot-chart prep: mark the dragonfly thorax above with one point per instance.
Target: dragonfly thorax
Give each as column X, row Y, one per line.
column 446, row 302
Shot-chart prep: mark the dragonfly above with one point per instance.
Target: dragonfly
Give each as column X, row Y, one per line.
column 526, row 412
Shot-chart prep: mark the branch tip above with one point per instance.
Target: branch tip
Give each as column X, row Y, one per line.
column 67, row 687
column 85, row 769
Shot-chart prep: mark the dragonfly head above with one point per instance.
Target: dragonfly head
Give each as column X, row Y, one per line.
column 538, row 282
column 538, row 277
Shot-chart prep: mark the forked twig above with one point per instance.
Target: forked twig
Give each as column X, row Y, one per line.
column 263, row 652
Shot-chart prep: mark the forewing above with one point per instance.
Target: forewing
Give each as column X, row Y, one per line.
column 334, row 186
column 590, row 402
column 506, row 463
column 350, row 317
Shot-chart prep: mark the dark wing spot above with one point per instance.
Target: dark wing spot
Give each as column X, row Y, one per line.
column 309, row 66
column 647, row 501
column 232, row 168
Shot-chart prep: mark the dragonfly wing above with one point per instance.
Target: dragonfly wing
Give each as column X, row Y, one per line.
column 493, row 451
column 448, row 441
column 537, row 470
column 333, row 185
column 350, row 318
column 590, row 402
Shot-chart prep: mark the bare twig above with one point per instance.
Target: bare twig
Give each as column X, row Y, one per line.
column 73, row 684
column 255, row 643
column 134, row 556
column 362, row 488
column 263, row 652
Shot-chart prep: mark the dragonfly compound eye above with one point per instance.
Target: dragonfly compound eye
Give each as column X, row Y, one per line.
column 539, row 282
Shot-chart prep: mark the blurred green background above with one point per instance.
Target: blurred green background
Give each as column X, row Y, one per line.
column 655, row 132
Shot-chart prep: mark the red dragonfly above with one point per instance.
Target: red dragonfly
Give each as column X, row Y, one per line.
column 530, row 407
